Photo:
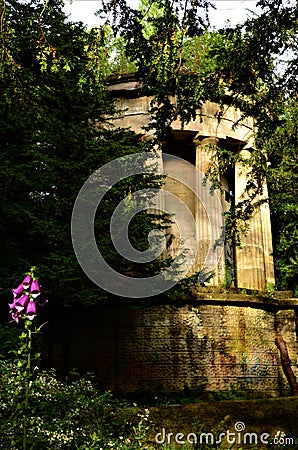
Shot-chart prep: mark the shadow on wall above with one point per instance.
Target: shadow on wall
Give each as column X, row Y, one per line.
column 141, row 346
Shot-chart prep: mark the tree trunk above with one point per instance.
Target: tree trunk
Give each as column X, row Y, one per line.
column 286, row 364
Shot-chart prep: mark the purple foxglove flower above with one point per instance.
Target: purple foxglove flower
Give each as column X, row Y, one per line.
column 21, row 303
column 16, row 316
column 27, row 281
column 34, row 289
column 12, row 305
column 18, row 291
column 31, row 310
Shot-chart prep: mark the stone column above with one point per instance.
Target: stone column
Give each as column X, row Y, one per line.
column 226, row 198
column 204, row 153
column 184, row 244
column 158, row 201
column 250, row 259
column 267, row 239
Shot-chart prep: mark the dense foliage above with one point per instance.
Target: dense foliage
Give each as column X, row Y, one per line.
column 53, row 104
column 67, row 414
column 254, row 67
column 282, row 148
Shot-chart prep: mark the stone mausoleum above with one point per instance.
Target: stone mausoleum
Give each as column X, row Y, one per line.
column 216, row 341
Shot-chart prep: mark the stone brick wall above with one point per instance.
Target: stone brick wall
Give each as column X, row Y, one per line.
column 166, row 348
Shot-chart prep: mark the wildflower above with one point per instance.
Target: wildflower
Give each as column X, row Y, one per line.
column 31, row 310
column 18, row 291
column 12, row 305
column 21, row 303
column 34, row 289
column 16, row 315
column 24, row 305
column 27, row 281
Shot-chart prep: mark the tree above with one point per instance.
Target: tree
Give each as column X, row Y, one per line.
column 52, row 83
column 154, row 36
column 282, row 149
column 240, row 66
column 53, row 136
column 263, row 62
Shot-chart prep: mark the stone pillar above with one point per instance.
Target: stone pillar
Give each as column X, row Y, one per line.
column 158, row 201
column 254, row 263
column 267, row 239
column 204, row 153
column 184, row 245
column 226, row 199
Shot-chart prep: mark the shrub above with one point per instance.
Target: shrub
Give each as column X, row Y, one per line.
column 69, row 414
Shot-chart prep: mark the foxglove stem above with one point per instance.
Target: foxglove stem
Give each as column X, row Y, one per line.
column 26, row 374
column 23, row 310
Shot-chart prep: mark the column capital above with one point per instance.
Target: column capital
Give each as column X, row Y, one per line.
column 203, row 140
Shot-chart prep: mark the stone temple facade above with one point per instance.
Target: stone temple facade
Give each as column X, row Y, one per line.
column 216, row 341
column 251, row 265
